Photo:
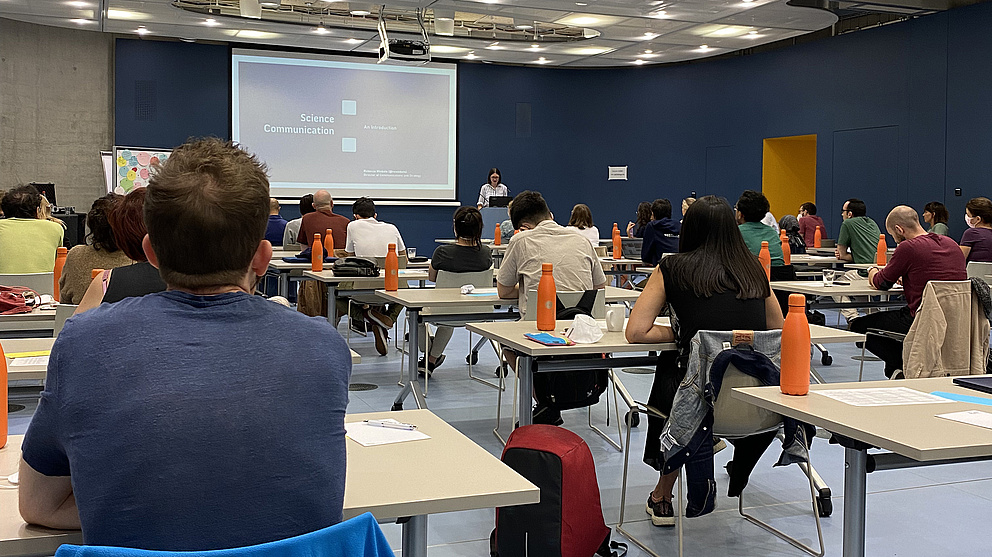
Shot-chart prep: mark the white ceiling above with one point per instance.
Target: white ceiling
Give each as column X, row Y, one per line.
column 626, row 29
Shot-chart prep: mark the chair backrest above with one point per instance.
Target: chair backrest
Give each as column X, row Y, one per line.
column 62, row 312
column 381, row 262
column 979, row 269
column 42, row 283
column 569, row 299
column 478, row 279
column 732, row 417
column 952, row 313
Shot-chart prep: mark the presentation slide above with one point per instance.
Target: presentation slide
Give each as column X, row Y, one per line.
column 351, row 127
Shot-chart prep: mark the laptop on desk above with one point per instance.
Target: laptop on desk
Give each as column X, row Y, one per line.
column 499, row 200
column 979, row 383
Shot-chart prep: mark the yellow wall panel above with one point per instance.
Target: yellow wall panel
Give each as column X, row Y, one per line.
column 788, row 177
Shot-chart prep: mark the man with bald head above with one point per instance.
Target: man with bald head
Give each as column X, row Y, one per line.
column 322, row 219
column 918, row 259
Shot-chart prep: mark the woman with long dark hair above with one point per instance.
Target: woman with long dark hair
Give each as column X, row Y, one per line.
column 935, row 214
column 713, row 283
column 468, row 254
column 493, row 186
column 644, row 216
column 581, row 222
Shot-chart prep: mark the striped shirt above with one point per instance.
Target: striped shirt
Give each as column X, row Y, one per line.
column 488, row 191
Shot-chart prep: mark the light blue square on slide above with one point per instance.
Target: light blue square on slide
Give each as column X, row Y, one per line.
column 349, row 108
column 349, row 145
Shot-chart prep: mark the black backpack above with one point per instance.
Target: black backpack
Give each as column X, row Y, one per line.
column 564, row 390
column 796, row 242
column 355, row 267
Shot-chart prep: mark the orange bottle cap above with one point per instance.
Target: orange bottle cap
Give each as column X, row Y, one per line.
column 62, row 249
column 316, row 235
column 797, row 300
column 392, row 247
column 546, row 267
column 764, row 244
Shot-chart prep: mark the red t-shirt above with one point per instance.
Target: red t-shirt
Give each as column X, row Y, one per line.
column 918, row 261
column 317, row 223
column 807, row 228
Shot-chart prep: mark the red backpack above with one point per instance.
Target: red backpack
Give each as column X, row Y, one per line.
column 16, row 299
column 568, row 522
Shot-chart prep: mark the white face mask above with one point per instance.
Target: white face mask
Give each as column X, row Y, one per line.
column 967, row 220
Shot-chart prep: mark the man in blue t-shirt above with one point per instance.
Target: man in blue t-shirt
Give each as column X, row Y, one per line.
column 201, row 417
column 276, row 224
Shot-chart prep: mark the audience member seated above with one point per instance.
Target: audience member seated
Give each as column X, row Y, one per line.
column 367, row 237
column 581, row 223
column 322, row 219
column 857, row 243
column 770, row 221
column 636, row 229
column 173, row 421
column 919, row 258
column 506, row 227
column 808, row 221
column 293, row 226
column 100, row 253
column 790, row 224
column 976, row 242
column 661, row 235
column 466, row 255
column 686, row 203
column 27, row 241
column 575, row 265
column 935, row 214
column 137, row 279
column 46, row 212
column 713, row 283
column 751, row 209
column 277, row 225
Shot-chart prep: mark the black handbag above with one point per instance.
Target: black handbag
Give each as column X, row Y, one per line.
column 355, row 267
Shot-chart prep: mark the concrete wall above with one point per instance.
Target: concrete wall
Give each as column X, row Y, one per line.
column 56, row 109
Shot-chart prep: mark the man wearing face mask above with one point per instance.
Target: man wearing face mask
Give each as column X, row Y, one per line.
column 919, row 258
column 976, row 242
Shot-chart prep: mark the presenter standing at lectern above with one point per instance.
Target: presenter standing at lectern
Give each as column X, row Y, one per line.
column 491, row 188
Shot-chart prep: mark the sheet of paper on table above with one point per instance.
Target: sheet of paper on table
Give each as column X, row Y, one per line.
column 369, row 435
column 30, row 361
column 881, row 396
column 482, row 292
column 973, row 417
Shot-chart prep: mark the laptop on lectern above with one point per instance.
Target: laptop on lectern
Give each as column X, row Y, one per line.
column 499, row 200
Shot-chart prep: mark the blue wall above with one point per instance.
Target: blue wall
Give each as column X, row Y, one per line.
column 900, row 115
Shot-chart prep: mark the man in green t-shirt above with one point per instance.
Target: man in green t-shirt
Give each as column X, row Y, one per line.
column 858, row 238
column 857, row 242
column 751, row 208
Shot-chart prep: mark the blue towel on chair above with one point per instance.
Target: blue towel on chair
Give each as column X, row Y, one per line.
column 357, row 537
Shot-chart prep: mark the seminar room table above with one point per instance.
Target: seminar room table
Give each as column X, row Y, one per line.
column 463, row 476
column 36, row 323
column 912, row 434
column 415, row 300
column 856, row 288
column 571, row 358
column 361, row 285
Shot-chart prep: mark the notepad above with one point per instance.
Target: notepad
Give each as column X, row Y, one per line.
column 881, row 396
column 29, row 361
column 370, row 436
column 972, row 417
column 482, row 292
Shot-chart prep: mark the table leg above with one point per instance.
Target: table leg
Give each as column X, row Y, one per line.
column 526, row 378
column 332, row 299
column 283, row 284
column 855, row 476
column 415, row 536
column 412, row 379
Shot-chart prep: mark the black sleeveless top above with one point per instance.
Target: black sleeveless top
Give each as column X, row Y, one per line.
column 133, row 280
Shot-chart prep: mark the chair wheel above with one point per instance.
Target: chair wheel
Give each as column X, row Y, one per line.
column 824, row 506
column 826, row 359
column 472, row 358
column 634, row 418
column 396, row 406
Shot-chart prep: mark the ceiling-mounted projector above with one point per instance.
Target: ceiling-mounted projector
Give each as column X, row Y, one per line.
column 403, row 51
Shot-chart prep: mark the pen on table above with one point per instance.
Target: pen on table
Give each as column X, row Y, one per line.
column 391, row 425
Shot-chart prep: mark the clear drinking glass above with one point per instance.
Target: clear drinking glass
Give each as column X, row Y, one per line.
column 411, row 252
column 828, row 277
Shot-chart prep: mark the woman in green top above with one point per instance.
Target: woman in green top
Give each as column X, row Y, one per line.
column 935, row 214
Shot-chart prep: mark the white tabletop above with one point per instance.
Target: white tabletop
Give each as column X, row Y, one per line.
column 827, row 335
column 452, row 297
column 511, row 333
column 36, row 319
column 16, row 345
column 327, row 275
column 807, row 259
column 622, row 261
column 816, row 288
column 912, row 430
column 449, row 473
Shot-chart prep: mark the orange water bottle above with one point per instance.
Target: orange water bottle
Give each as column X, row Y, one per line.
column 329, row 242
column 546, row 299
column 498, row 238
column 3, row 396
column 316, row 254
column 516, row 231
column 765, row 257
column 786, row 249
column 60, row 254
column 392, row 269
column 95, row 272
column 817, row 238
column 795, row 348
column 616, row 243
column 882, row 252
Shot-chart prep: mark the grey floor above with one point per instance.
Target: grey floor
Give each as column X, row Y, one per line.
column 932, row 511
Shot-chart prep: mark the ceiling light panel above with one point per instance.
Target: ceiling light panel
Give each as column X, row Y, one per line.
column 589, row 20
column 783, row 16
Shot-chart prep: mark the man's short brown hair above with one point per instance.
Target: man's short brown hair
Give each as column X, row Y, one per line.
column 206, row 212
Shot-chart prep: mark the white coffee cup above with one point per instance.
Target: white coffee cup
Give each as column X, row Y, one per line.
column 614, row 319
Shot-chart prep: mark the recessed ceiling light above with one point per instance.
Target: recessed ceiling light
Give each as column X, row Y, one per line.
column 585, row 20
column 122, row 14
column 494, row 46
column 704, row 47
column 752, row 33
column 353, row 40
column 321, row 30
column 362, row 13
column 639, row 62
column 272, row 5
column 142, row 30
column 648, row 52
column 535, row 46
column 589, row 50
column 78, row 4
column 658, row 14
column 471, row 55
column 648, row 36
column 524, row 26
column 253, row 34
column 542, row 60
column 211, row 22
column 81, row 21
column 581, row 4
